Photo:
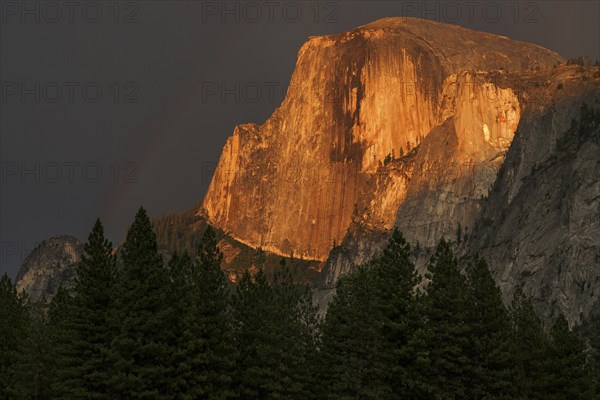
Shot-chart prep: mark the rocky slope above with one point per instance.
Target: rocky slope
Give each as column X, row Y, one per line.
column 182, row 231
column 52, row 264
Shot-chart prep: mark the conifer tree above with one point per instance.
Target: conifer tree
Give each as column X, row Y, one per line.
column 181, row 295
column 309, row 340
column 353, row 364
column 259, row 356
column 14, row 317
column 530, row 349
column 398, row 307
column 491, row 354
column 60, row 334
column 568, row 374
column 297, row 332
column 142, row 353
column 85, row 367
column 595, row 358
column 37, row 358
column 374, row 336
column 28, row 364
column 212, row 354
column 448, row 299
column 271, row 333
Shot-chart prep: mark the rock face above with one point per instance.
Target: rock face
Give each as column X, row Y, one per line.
column 410, row 123
column 291, row 186
column 51, row 264
column 537, row 222
column 540, row 227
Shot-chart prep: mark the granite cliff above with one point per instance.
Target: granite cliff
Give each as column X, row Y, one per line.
column 540, row 226
column 291, row 186
column 434, row 129
column 533, row 210
column 52, row 264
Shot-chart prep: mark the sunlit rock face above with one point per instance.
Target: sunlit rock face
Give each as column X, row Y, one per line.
column 436, row 130
column 451, row 172
column 52, row 264
column 298, row 183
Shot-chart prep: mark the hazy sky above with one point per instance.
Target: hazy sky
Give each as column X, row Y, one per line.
column 106, row 108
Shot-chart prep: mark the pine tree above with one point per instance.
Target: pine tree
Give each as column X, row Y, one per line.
column 85, row 368
column 143, row 350
column 595, row 359
column 297, row 332
column 530, row 349
column 61, row 336
column 255, row 338
column 374, row 340
column 272, row 333
column 14, row 317
column 491, row 354
column 39, row 359
column 448, row 299
column 400, row 318
column 309, row 340
column 353, row 364
column 184, row 379
column 213, row 352
column 568, row 375
column 28, row 364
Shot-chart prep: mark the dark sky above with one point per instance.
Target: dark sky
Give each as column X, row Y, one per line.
column 154, row 133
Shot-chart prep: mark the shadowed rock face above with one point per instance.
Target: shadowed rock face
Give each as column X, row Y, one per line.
column 50, row 265
column 540, row 227
column 292, row 185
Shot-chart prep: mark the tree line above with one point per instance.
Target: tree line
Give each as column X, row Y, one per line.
column 137, row 327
